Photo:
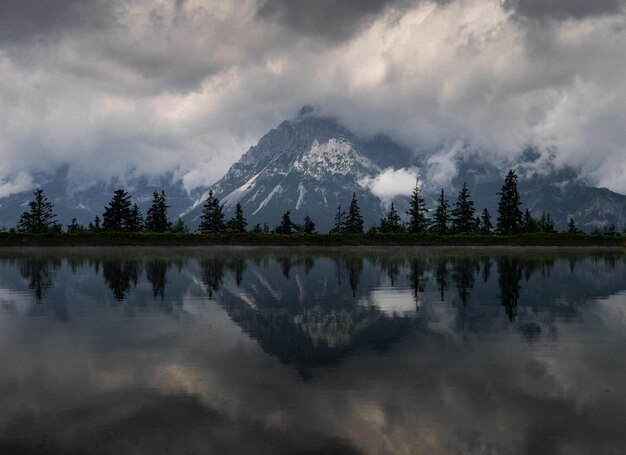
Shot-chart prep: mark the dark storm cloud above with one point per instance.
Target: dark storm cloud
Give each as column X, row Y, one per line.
column 334, row 20
column 564, row 9
column 25, row 20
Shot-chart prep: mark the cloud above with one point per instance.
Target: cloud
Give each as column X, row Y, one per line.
column 147, row 87
column 391, row 183
column 564, row 9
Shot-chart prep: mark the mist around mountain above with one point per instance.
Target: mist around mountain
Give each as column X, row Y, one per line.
column 312, row 165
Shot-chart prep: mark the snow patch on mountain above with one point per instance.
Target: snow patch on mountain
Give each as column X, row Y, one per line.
column 235, row 196
column 302, row 190
column 277, row 190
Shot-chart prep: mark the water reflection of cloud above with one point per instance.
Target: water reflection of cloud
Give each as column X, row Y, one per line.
column 193, row 380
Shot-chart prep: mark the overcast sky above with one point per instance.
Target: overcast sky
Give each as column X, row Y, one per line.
column 146, row 86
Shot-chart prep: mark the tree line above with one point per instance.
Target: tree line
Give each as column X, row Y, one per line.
column 122, row 215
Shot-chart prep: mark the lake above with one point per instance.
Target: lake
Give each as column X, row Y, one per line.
column 252, row 351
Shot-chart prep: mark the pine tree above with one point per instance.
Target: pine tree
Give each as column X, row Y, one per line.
column 546, row 223
column 117, row 215
column 257, row 229
column 180, row 227
column 417, row 211
column 40, row 218
column 391, row 223
column 509, row 212
column 463, row 212
column 286, row 225
column 135, row 220
column 308, row 227
column 486, row 226
column 156, row 216
column 212, row 218
column 571, row 226
column 354, row 220
column 96, row 224
column 74, row 227
column 238, row 222
column 442, row 215
column 340, row 224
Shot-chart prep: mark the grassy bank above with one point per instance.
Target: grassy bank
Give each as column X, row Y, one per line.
column 169, row 239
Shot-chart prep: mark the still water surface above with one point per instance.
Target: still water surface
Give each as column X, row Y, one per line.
column 253, row 352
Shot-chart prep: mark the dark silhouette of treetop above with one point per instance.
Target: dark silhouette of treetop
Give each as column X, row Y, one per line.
column 417, row 211
column 156, row 216
column 463, row 213
column 509, row 208
column 40, row 217
column 118, row 214
column 354, row 220
column 212, row 218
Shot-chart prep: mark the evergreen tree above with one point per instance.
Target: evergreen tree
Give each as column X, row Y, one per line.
column 463, row 212
column 509, row 212
column 257, row 229
column 96, row 224
column 340, row 224
column 212, row 218
column 442, row 215
column 117, row 215
column 546, row 223
column 286, row 225
column 74, row 227
column 156, row 216
column 486, row 226
column 238, row 222
column 530, row 224
column 417, row 211
column 354, row 220
column 40, row 217
column 180, row 227
column 391, row 222
column 308, row 227
column 571, row 226
column 135, row 220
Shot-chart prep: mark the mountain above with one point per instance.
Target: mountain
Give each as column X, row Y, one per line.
column 310, row 165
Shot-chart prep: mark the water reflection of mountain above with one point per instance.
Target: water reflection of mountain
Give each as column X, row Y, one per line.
column 306, row 311
column 314, row 310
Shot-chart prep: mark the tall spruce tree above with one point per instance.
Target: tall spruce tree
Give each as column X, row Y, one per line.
column 135, row 221
column 442, row 215
column 117, row 215
column 156, row 216
column 463, row 212
column 571, row 226
column 486, row 226
column 546, row 223
column 510, row 215
column 238, row 222
column 286, row 225
column 354, row 220
column 212, row 218
column 391, row 223
column 417, row 211
column 340, row 221
column 40, row 216
column 308, row 227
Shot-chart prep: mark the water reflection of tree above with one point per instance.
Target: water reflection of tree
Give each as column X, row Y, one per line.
column 156, row 273
column 463, row 276
column 352, row 268
column 212, row 271
column 391, row 267
column 39, row 274
column 441, row 276
column 511, row 271
column 285, row 263
column 417, row 267
column 120, row 276
column 237, row 265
